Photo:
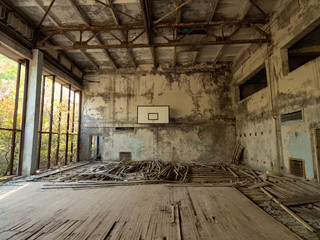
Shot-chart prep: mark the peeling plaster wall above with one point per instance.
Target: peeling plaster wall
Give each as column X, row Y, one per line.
column 201, row 128
column 286, row 91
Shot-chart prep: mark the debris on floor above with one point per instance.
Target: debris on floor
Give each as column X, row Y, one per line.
column 123, row 172
column 295, row 202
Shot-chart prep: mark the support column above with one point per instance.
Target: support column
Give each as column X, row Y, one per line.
column 32, row 114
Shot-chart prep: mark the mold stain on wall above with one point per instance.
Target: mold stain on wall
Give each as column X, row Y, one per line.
column 201, row 128
column 286, row 92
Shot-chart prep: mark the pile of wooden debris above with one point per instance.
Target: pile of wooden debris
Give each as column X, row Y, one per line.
column 133, row 170
column 139, row 170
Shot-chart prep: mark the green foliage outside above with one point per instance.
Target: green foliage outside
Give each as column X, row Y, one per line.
column 8, row 75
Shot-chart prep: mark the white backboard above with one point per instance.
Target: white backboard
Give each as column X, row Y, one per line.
column 153, row 114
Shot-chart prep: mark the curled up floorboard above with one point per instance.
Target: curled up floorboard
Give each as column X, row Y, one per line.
column 134, row 212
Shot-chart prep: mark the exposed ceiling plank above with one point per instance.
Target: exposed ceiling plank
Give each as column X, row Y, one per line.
column 178, row 20
column 167, row 44
column 87, row 22
column 171, row 12
column 53, row 20
column 117, row 10
column 44, row 10
column 243, row 12
column 46, row 13
column 80, row 12
column 145, row 11
column 116, row 21
column 212, row 9
column 259, row 8
column 90, row 59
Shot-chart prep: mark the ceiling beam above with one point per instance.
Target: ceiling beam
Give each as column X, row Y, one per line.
column 44, row 10
column 114, row 10
column 90, row 59
column 171, row 12
column 145, row 11
column 259, row 8
column 46, row 13
column 87, row 22
column 212, row 10
column 55, row 22
column 158, row 26
column 117, row 23
column 243, row 12
column 178, row 20
column 168, row 44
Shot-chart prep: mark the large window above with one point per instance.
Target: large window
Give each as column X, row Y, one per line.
column 12, row 82
column 254, row 84
column 59, row 116
column 58, row 128
column 304, row 50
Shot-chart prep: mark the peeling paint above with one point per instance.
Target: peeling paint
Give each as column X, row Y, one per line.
column 286, row 91
column 201, row 127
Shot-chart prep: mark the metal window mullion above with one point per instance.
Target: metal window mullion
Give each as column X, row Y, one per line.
column 15, row 116
column 79, row 126
column 23, row 117
column 67, row 133
column 59, row 126
column 41, row 120
column 51, row 120
column 72, row 124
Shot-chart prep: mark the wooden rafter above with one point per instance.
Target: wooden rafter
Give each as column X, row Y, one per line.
column 244, row 11
column 90, row 59
column 87, row 22
column 46, row 13
column 145, row 9
column 55, row 22
column 167, row 44
column 107, row 28
column 114, row 10
column 178, row 20
column 117, row 23
column 171, row 12
column 212, row 10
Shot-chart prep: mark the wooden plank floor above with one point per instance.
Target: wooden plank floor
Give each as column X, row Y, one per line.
column 134, row 212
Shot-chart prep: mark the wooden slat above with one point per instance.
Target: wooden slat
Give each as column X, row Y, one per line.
column 135, row 212
column 299, row 200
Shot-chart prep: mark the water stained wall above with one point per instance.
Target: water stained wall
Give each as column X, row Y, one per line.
column 201, row 128
column 270, row 143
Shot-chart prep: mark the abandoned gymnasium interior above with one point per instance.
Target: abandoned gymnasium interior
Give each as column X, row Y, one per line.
column 160, row 119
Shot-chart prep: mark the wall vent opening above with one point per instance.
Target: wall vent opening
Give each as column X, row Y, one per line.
column 125, row 156
column 254, row 84
column 2, row 12
column 16, row 23
column 124, row 129
column 296, row 167
column 291, row 117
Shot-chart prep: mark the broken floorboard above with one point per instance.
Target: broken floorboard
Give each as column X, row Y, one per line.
column 135, row 212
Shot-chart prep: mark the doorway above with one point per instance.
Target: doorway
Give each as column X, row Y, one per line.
column 95, row 147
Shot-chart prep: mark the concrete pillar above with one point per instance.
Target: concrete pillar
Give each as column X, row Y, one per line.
column 32, row 114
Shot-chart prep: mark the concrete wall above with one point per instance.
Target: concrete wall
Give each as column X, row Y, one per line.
column 201, row 128
column 269, row 144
